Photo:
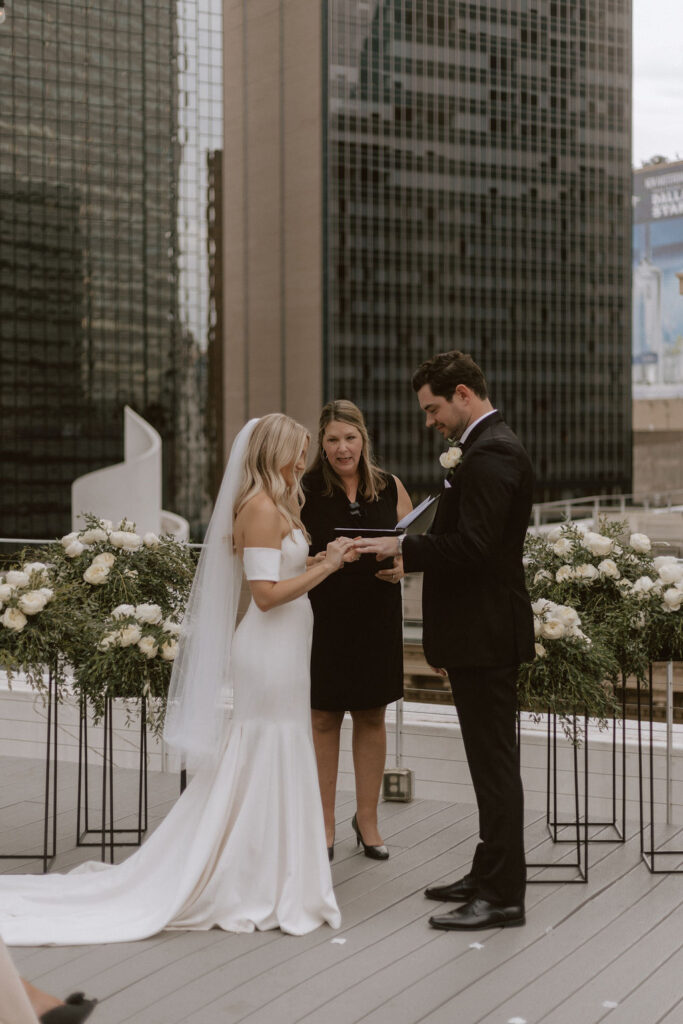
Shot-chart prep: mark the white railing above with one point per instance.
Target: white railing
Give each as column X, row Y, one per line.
column 592, row 506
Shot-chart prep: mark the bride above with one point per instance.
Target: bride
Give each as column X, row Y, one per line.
column 244, row 846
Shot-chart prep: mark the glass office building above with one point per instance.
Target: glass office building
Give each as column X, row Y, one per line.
column 477, row 189
column 111, row 114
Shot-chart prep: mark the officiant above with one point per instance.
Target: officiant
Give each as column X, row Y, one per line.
column 357, row 654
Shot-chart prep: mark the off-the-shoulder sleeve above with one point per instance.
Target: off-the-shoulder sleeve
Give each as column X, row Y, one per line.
column 262, row 563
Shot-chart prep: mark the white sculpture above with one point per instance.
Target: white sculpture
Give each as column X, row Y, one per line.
column 130, row 489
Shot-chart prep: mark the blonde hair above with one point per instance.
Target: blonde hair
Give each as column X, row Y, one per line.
column 372, row 479
column 276, row 441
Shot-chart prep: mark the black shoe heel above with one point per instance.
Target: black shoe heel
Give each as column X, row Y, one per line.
column 374, row 852
column 75, row 1009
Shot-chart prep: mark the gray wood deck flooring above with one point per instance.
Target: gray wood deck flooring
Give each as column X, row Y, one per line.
column 617, row 940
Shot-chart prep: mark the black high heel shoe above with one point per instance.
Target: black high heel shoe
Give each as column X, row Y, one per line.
column 330, row 850
column 374, row 852
column 75, row 1009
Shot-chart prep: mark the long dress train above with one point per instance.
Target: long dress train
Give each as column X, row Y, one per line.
column 243, row 847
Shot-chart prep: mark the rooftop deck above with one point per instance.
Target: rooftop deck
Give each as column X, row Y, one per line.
column 585, row 948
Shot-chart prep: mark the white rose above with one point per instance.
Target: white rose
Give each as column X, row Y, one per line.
column 13, row 619
column 640, row 542
column 617, row 549
column 661, row 560
column 542, row 574
column 451, row 458
column 148, row 646
column 586, row 572
column 33, row 602
column 554, row 535
column 673, row 598
column 541, row 606
column 129, row 635
column 171, row 627
column 104, row 558
column 148, row 613
column 93, row 536
column 671, row 573
column 74, row 549
column 126, row 541
column 35, row 567
column 123, row 609
column 565, row 572
column 15, row 578
column 96, row 574
column 108, row 640
column 5, row 591
column 642, row 586
column 597, row 544
column 69, row 538
column 540, row 650
column 127, row 525
column 169, row 650
column 609, row 568
column 563, row 547
column 624, row 586
column 567, row 616
column 552, row 629
column 150, row 540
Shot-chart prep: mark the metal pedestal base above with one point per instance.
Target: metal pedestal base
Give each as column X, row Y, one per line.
column 650, row 851
column 106, row 832
column 556, row 828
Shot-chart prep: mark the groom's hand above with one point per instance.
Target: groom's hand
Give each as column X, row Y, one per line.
column 393, row 575
column 381, row 547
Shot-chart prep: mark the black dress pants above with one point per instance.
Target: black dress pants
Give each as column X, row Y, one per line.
column 486, row 702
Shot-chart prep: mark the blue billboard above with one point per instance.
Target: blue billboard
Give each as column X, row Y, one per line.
column 658, row 281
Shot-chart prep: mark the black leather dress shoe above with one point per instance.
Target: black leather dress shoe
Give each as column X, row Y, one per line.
column 479, row 913
column 455, row 892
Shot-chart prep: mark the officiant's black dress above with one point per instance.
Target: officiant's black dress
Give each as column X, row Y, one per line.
column 357, row 656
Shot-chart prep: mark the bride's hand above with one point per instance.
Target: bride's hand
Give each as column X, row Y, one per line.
column 336, row 550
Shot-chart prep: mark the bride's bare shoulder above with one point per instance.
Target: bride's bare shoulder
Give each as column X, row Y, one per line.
column 259, row 523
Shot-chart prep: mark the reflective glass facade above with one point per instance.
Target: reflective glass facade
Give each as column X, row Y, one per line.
column 478, row 197
column 111, row 112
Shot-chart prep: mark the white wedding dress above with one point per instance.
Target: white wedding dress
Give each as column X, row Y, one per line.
column 244, row 846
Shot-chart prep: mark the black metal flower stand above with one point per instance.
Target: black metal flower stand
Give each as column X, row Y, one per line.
column 556, row 828
column 49, row 850
column 652, row 845
column 617, row 821
column 108, row 836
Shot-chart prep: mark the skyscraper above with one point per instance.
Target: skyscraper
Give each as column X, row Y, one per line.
column 108, row 112
column 471, row 190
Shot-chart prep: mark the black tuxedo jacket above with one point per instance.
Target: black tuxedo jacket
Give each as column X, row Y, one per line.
column 476, row 609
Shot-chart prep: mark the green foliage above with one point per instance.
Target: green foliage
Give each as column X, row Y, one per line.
column 572, row 677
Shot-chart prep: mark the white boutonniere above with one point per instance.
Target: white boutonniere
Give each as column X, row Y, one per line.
column 450, row 460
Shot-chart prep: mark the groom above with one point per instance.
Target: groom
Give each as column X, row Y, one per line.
column 477, row 622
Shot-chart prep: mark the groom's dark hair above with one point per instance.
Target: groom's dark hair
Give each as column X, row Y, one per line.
column 444, row 372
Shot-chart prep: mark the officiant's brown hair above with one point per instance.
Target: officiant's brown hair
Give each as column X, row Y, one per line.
column 444, row 372
column 371, row 478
